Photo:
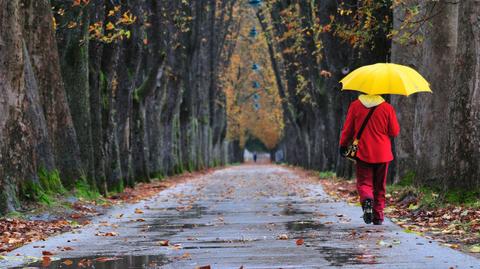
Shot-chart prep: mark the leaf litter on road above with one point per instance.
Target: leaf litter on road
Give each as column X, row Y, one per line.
column 456, row 226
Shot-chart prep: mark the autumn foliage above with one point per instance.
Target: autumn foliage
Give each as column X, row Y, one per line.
column 245, row 119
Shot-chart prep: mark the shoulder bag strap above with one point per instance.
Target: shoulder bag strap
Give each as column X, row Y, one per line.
column 365, row 122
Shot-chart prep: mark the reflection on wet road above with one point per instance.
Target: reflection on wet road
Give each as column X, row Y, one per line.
column 251, row 216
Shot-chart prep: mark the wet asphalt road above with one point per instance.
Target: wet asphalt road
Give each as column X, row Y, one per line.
column 235, row 217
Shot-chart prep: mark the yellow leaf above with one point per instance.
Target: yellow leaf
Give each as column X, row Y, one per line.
column 67, row 262
column 474, row 248
column 71, row 25
column 110, row 26
column 54, row 23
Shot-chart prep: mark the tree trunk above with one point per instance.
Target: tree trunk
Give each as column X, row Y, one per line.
column 38, row 29
column 421, row 146
column 464, row 107
column 24, row 143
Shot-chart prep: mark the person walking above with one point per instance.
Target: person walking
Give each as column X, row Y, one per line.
column 374, row 151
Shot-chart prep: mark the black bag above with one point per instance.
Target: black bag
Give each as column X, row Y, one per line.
column 352, row 149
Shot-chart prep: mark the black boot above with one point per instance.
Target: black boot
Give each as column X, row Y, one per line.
column 377, row 222
column 368, row 211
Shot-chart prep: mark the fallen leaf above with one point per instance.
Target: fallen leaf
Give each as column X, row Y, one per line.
column 107, row 234
column 474, row 249
column 300, row 242
column 176, row 247
column 163, row 243
column 47, row 253
column 384, row 244
column 138, row 211
column 204, row 267
column 46, row 261
column 282, row 237
column 67, row 262
column 77, row 216
column 85, row 263
column 186, row 255
column 454, row 246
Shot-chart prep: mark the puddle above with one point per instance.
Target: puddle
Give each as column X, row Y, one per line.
column 290, row 211
column 176, row 226
column 115, row 262
column 168, row 222
column 184, row 211
column 291, row 208
column 232, row 241
column 304, row 225
column 214, row 247
column 346, row 256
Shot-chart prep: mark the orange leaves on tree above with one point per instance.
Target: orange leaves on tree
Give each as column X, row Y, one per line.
column 113, row 30
column 244, row 121
column 127, row 18
column 325, row 74
column 110, row 26
column 80, row 3
column 327, row 28
column 72, row 25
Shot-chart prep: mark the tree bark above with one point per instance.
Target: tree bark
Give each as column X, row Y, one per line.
column 38, row 29
column 421, row 146
column 464, row 107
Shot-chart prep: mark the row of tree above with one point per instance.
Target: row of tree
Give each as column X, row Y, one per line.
column 110, row 92
column 253, row 105
column 313, row 44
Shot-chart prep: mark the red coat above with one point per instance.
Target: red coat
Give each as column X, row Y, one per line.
column 374, row 145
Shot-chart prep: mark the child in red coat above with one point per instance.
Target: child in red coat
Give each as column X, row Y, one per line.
column 374, row 151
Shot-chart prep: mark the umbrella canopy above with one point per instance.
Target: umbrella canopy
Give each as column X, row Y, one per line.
column 385, row 78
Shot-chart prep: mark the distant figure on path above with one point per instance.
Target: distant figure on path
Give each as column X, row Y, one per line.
column 255, row 157
column 374, row 150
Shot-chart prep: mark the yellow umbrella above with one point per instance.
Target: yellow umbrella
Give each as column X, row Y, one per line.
column 385, row 78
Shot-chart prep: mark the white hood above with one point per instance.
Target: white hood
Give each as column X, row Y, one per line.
column 370, row 100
